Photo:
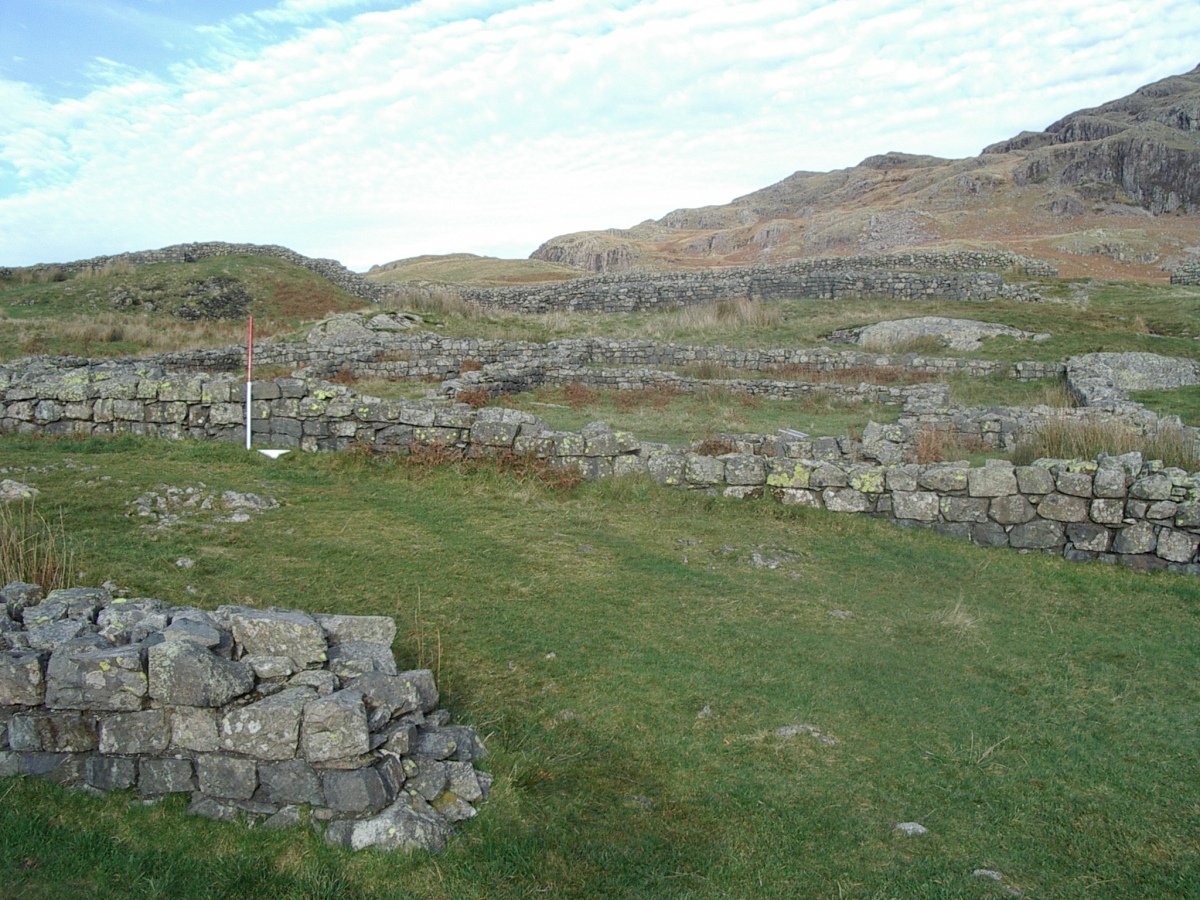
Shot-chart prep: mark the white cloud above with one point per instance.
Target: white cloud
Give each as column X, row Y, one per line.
column 490, row 126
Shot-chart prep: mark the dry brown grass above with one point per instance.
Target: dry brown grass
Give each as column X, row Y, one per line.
column 470, row 365
column 577, row 396
column 475, row 397
column 932, row 445
column 1087, row 438
column 34, row 550
column 714, row 446
column 657, row 398
column 737, row 312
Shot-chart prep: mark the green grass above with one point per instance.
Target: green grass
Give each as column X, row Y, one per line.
column 678, row 418
column 1037, row 716
column 132, row 309
column 467, row 268
column 1183, row 402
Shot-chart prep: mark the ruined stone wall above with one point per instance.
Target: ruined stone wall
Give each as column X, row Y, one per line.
column 274, row 715
column 1188, row 273
column 629, row 292
column 1112, row 509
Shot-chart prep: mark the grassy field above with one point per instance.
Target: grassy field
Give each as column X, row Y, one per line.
column 629, row 666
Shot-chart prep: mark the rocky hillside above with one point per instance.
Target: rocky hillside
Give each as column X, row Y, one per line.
column 1102, row 191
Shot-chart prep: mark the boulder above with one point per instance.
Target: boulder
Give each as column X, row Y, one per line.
column 183, row 673
column 279, row 633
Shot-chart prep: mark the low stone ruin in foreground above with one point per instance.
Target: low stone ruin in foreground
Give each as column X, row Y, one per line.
column 274, row 715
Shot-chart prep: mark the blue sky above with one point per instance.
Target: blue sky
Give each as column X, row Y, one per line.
column 368, row 131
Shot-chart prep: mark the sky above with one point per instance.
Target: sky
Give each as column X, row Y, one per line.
column 368, row 131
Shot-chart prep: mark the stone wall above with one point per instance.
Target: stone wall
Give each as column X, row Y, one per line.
column 628, row 292
column 274, row 715
column 1150, row 519
column 1188, row 273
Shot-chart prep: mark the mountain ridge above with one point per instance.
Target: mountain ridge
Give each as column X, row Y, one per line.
column 1127, row 167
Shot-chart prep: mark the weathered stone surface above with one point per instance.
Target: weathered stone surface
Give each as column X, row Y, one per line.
column 334, row 727
column 52, row 732
column 422, row 681
column 353, row 658
column 290, row 781
column 1040, row 534
column 192, row 630
column 210, row 808
column 182, row 673
column 699, row 469
column 944, row 479
column 1152, row 487
column 436, row 743
column 1162, row 509
column 744, row 469
column 279, row 633
column 193, row 728
column 845, row 500
column 1109, row 481
column 1011, row 510
column 111, row 773
column 356, row 790
column 1074, row 484
column 22, row 681
column 54, row 634
column 408, row 824
column 320, row 680
column 288, row 817
column 387, row 695
column 964, row 509
column 135, row 732
column 1063, row 508
column 922, row 506
column 1107, row 511
column 462, row 780
column 343, row 629
column 227, row 777
column 799, row 497
column 112, row 679
column 1136, row 538
column 1034, row 480
column 57, row 768
column 1093, row 538
column 991, row 481
column 267, row 668
column 268, row 729
column 1177, row 546
column 787, row 473
column 165, row 776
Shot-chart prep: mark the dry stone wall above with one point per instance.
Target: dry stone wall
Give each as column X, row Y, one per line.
column 1151, row 518
column 1188, row 273
column 272, row 715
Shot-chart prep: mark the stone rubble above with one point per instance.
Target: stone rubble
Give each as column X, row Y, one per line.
column 243, row 708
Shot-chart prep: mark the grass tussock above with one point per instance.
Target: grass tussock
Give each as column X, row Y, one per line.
column 934, row 445
column 737, row 312
column 34, row 550
column 1087, row 439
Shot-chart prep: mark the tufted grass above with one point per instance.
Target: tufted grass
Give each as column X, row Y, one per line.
column 1075, row 439
column 628, row 666
column 34, row 550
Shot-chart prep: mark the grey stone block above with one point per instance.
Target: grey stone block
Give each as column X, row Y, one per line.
column 353, row 658
column 354, row 790
column 111, row 773
column 436, row 743
column 1093, row 538
column 1074, row 484
column 1109, row 481
column 135, row 732
column 59, row 768
column 1034, row 480
column 279, row 633
column 1040, row 534
column 210, row 808
column 388, row 695
column 991, row 481
column 182, row 673
column 845, row 500
column 1135, row 539
column 1177, row 546
column 1063, row 508
column 957, row 530
column 964, row 509
column 52, row 732
column 290, row 781
column 22, row 677
column 462, row 780
column 193, row 728
column 268, row 729
column 426, row 776
column 334, row 727
column 922, row 506
column 53, row 635
column 288, row 817
column 745, row 469
column 1012, row 510
column 423, row 683
column 1152, row 487
column 408, row 824
column 165, row 776
column 227, row 777
column 112, row 679
column 342, row 629
column 1107, row 511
